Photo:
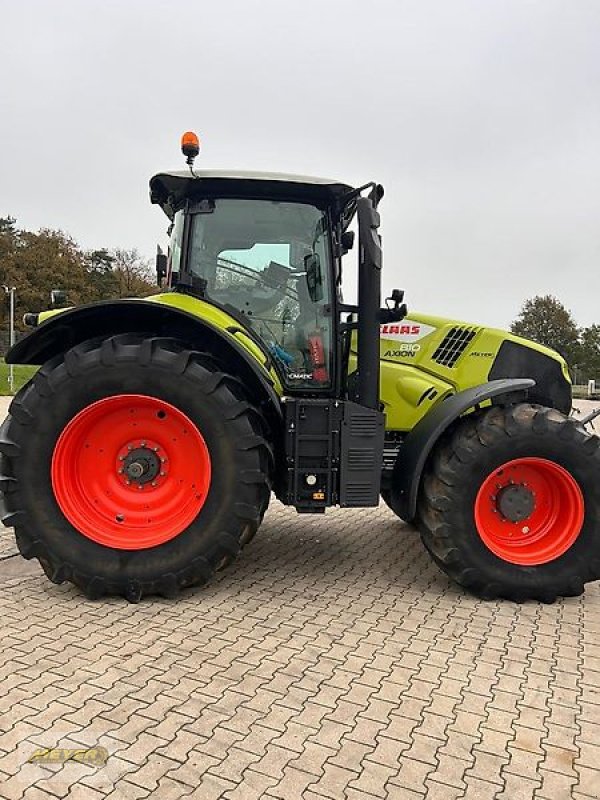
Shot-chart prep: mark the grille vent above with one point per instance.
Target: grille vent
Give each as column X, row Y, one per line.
column 361, row 459
column 453, row 345
column 363, row 424
column 358, row 494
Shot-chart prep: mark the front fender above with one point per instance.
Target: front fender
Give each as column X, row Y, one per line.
column 419, row 443
column 60, row 332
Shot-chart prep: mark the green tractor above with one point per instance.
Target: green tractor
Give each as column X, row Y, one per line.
column 142, row 455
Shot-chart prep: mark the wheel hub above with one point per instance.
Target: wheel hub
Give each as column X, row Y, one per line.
column 141, row 465
column 515, row 502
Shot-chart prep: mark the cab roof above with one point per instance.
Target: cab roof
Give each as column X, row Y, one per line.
column 170, row 189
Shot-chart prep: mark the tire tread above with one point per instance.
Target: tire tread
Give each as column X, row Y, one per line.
column 254, row 453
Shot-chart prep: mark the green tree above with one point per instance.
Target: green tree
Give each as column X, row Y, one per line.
column 7, row 226
column 133, row 273
column 589, row 360
column 545, row 320
column 36, row 263
column 7, row 235
column 103, row 282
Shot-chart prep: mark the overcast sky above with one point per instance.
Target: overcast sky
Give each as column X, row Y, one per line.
column 480, row 118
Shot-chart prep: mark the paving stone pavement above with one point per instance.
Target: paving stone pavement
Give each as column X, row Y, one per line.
column 332, row 660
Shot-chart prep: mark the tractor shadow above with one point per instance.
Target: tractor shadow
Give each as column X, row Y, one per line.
column 366, row 550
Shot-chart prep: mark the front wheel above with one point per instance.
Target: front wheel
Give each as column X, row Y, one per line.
column 132, row 467
column 510, row 504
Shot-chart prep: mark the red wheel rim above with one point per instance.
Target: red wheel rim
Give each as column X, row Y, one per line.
column 529, row 511
column 130, row 471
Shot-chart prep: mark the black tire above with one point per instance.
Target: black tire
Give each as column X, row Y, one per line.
column 234, row 433
column 386, row 496
column 479, row 444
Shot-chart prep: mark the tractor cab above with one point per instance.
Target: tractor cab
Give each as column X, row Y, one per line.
column 266, row 248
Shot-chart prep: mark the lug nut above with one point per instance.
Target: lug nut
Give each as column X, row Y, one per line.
column 154, row 483
column 162, row 474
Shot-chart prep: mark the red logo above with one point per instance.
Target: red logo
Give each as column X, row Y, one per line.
column 399, row 330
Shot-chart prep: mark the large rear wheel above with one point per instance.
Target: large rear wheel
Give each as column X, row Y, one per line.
column 510, row 504
column 133, row 467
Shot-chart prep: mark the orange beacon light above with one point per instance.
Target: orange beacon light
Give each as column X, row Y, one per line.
column 190, row 146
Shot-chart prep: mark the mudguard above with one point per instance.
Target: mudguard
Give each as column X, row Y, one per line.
column 419, row 443
column 71, row 327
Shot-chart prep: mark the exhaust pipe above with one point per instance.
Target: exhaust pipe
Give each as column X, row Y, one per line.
column 369, row 298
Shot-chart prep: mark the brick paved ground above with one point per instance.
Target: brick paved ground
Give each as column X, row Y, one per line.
column 333, row 660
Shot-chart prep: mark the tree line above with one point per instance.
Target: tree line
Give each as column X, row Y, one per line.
column 37, row 263
column 545, row 320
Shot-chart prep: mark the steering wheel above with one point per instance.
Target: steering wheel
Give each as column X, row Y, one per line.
column 271, row 286
column 252, row 301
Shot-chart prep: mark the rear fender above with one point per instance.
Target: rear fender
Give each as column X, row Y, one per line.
column 62, row 331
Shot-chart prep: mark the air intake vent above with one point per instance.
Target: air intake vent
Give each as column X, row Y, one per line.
column 453, row 346
column 359, row 494
column 363, row 424
column 361, row 459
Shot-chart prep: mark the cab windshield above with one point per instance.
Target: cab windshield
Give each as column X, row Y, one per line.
column 269, row 261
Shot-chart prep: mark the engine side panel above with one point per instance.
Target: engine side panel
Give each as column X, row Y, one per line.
column 425, row 359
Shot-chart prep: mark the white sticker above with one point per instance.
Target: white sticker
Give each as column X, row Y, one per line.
column 405, row 331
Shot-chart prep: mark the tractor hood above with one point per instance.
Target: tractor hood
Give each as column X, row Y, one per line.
column 464, row 355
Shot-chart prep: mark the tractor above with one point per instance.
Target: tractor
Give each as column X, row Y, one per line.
column 142, row 455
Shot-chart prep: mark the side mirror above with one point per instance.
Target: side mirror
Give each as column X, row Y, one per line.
column 347, row 242
column 161, row 267
column 314, row 277
column 58, row 298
